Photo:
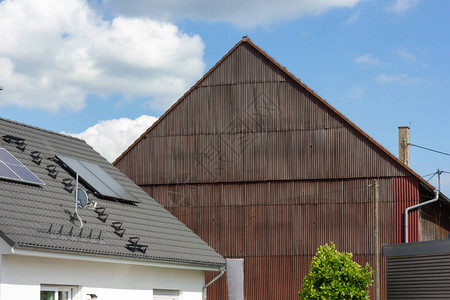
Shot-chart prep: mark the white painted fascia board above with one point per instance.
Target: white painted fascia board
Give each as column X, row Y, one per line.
column 125, row 260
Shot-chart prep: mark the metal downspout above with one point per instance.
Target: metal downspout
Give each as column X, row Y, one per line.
column 222, row 270
column 436, row 198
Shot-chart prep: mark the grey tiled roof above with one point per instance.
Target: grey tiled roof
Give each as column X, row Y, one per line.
column 38, row 217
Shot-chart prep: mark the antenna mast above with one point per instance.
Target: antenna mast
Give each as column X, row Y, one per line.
column 76, row 194
column 75, row 214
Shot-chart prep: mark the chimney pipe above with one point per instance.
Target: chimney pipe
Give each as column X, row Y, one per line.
column 403, row 144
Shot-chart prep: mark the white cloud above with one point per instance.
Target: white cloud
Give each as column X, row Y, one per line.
column 357, row 92
column 403, row 79
column 367, row 59
column 352, row 19
column 242, row 13
column 406, row 55
column 110, row 138
column 54, row 53
column 401, row 6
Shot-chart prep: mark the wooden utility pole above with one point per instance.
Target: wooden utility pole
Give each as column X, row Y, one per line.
column 439, row 172
column 376, row 243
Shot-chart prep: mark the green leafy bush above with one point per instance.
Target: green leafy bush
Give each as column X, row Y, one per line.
column 333, row 275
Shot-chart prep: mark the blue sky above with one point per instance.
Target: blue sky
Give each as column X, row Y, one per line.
column 105, row 71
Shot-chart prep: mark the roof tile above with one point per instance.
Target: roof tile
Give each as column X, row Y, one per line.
column 27, row 211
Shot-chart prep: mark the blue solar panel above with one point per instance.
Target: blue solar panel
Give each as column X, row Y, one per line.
column 7, row 157
column 6, row 172
column 98, row 179
column 11, row 168
column 24, row 173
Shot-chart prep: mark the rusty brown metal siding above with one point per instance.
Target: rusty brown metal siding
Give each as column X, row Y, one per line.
column 244, row 65
column 281, row 218
column 322, row 153
column 259, row 126
column 434, row 222
column 278, row 226
column 260, row 168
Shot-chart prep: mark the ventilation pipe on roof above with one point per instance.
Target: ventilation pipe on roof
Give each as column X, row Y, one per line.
column 436, row 198
column 222, row 270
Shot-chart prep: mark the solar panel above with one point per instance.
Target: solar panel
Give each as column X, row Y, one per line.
column 6, row 172
column 12, row 169
column 98, row 179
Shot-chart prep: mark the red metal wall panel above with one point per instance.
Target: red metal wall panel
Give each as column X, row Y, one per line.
column 406, row 194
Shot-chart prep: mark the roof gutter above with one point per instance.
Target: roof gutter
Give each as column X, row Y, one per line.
column 107, row 258
column 436, row 198
column 222, row 271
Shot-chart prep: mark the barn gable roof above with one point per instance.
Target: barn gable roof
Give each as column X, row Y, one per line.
column 211, row 79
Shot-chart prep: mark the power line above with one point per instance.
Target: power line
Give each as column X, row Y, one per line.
column 392, row 145
column 432, row 176
column 440, row 152
column 438, row 172
column 429, row 174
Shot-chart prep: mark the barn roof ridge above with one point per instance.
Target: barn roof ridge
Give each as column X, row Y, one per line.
column 247, row 40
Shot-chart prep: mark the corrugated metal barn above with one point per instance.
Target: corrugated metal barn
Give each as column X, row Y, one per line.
column 262, row 168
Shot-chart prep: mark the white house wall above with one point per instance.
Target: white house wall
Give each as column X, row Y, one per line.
column 4, row 247
column 22, row 276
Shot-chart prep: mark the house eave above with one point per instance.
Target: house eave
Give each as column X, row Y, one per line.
column 44, row 252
